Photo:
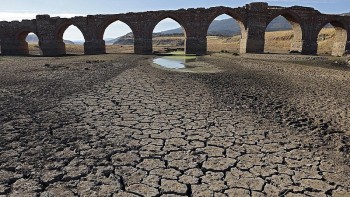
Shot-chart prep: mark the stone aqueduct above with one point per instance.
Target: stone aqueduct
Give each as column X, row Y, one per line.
column 253, row 19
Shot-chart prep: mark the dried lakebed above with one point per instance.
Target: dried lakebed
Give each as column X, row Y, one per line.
column 113, row 125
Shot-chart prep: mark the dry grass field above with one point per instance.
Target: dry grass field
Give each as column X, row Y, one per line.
column 275, row 42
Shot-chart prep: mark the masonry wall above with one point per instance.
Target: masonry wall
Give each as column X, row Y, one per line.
column 253, row 19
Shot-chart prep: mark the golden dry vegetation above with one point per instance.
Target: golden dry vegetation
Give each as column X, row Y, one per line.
column 275, row 42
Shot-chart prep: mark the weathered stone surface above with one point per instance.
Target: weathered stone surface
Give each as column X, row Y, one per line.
column 50, row 30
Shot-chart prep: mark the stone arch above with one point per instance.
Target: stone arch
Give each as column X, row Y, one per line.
column 61, row 29
column 22, row 45
column 22, row 34
column 111, row 48
column 106, row 23
column 173, row 17
column 21, row 37
column 297, row 26
column 232, row 15
column 341, row 35
column 236, row 15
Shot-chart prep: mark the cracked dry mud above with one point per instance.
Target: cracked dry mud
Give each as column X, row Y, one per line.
column 113, row 125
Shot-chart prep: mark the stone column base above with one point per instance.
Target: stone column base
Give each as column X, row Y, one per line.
column 94, row 47
column 14, row 47
column 296, row 47
column 251, row 45
column 52, row 48
column 196, row 45
column 143, row 46
column 309, row 47
column 338, row 49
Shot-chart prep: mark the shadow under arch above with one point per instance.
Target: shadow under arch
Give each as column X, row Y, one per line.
column 160, row 19
column 296, row 39
column 341, row 36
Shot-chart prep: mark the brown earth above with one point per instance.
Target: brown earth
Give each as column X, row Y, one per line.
column 113, row 125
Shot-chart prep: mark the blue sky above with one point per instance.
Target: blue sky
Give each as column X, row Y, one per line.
column 21, row 9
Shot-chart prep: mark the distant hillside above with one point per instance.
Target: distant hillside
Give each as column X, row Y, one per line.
column 230, row 27
column 127, row 39
column 226, row 27
column 110, row 41
column 32, row 38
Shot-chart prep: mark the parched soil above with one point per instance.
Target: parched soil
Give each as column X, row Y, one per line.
column 113, row 125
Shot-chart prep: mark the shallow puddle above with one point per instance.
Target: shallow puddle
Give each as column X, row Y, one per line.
column 184, row 63
column 174, row 61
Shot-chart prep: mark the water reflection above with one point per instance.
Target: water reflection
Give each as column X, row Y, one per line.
column 174, row 62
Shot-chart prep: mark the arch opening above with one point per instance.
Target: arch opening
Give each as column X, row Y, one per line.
column 168, row 36
column 30, row 43
column 331, row 39
column 33, row 44
column 119, row 38
column 224, row 35
column 72, row 39
column 283, row 35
